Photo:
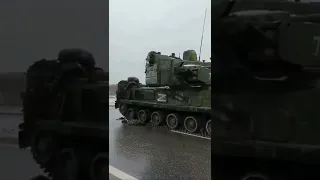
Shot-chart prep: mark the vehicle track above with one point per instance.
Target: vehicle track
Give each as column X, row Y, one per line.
column 202, row 133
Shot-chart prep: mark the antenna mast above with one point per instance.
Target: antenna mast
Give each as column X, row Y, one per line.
column 204, row 23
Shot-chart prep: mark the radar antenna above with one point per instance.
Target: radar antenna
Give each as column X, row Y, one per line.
column 204, row 22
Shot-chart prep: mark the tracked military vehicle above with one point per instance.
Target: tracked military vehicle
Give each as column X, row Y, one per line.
column 265, row 81
column 65, row 116
column 176, row 95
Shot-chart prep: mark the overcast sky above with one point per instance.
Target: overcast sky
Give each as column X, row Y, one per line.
column 137, row 27
column 35, row 29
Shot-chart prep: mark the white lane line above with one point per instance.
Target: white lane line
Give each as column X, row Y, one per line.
column 120, row 174
column 191, row 135
column 112, row 170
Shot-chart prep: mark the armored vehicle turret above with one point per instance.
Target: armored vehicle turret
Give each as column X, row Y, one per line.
column 163, row 70
column 177, row 94
column 189, row 55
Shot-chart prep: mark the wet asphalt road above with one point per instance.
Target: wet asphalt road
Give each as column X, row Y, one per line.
column 138, row 151
column 157, row 154
column 16, row 164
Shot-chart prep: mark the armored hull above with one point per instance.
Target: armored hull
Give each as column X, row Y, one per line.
column 272, row 134
column 177, row 94
column 65, row 108
column 187, row 110
column 266, row 90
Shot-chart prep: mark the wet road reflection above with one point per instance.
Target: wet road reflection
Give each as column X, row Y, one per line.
column 111, row 177
column 147, row 153
column 144, row 153
column 17, row 164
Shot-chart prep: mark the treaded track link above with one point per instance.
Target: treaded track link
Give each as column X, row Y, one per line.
column 201, row 133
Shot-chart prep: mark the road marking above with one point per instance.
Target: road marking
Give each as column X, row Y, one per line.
column 112, row 170
column 191, row 135
column 120, row 174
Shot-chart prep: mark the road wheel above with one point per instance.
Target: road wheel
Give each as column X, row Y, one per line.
column 157, row 118
column 100, row 167
column 66, row 165
column 130, row 114
column 208, row 127
column 172, row 120
column 191, row 124
column 255, row 176
column 144, row 115
column 40, row 177
column 123, row 109
column 43, row 147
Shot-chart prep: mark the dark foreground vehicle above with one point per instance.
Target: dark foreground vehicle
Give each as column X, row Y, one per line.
column 265, row 81
column 65, row 115
column 176, row 96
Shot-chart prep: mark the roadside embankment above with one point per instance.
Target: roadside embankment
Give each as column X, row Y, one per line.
column 13, row 83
